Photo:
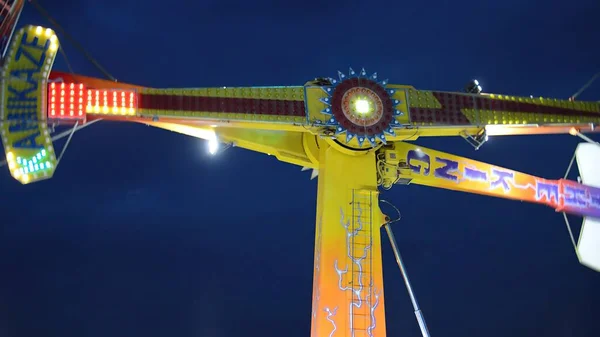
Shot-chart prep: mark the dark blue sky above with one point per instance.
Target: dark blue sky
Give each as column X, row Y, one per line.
column 140, row 233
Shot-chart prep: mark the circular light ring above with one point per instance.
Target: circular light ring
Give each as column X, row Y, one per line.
column 374, row 122
column 363, row 118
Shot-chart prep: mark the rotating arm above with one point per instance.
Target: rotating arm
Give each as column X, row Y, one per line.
column 437, row 113
column 421, row 113
column 355, row 114
column 407, row 163
column 269, row 120
column 263, row 119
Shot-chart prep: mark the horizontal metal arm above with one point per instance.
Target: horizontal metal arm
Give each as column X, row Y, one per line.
column 419, row 165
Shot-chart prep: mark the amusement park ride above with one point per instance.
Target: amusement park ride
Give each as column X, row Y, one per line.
column 351, row 130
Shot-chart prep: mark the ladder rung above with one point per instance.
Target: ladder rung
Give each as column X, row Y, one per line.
column 367, row 235
column 355, row 299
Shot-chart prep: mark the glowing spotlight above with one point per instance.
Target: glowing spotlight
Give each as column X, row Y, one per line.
column 362, row 106
column 573, row 131
column 213, row 146
column 473, row 87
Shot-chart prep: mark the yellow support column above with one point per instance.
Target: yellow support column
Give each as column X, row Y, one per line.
column 348, row 277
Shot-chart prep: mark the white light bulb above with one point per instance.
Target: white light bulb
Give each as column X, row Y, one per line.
column 362, row 106
column 213, row 146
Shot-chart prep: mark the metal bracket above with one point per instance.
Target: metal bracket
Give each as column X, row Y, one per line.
column 575, row 132
column 476, row 141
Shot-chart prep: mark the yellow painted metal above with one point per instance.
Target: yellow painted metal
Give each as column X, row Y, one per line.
column 491, row 117
column 482, row 115
column 311, row 148
column 443, row 170
column 287, row 93
column 232, row 124
column 285, row 146
column 265, row 94
column 423, row 99
column 348, row 278
column 412, row 133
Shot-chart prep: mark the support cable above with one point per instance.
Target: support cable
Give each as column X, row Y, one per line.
column 585, row 86
column 570, row 232
column 565, row 214
column 77, row 45
column 64, row 149
column 64, row 54
column 64, row 134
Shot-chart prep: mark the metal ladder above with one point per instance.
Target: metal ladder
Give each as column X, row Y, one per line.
column 360, row 299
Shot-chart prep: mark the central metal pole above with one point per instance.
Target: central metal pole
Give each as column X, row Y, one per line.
column 418, row 313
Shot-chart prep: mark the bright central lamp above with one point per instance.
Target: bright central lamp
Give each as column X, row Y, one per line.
column 362, row 106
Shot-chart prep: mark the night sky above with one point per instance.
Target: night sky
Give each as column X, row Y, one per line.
column 141, row 233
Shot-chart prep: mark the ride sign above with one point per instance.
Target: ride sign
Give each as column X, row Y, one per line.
column 23, row 127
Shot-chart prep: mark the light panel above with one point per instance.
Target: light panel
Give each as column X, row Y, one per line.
column 74, row 101
column 24, row 168
column 111, row 102
column 66, row 101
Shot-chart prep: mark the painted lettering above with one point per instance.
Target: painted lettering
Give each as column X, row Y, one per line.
column 22, row 126
column 22, row 95
column 503, row 177
column 26, row 120
column 34, row 44
column 574, row 196
column 29, row 141
column 22, row 108
column 595, row 198
column 448, row 170
column 547, row 191
column 473, row 174
column 423, row 161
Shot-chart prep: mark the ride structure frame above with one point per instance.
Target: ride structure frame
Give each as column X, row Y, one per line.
column 352, row 129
